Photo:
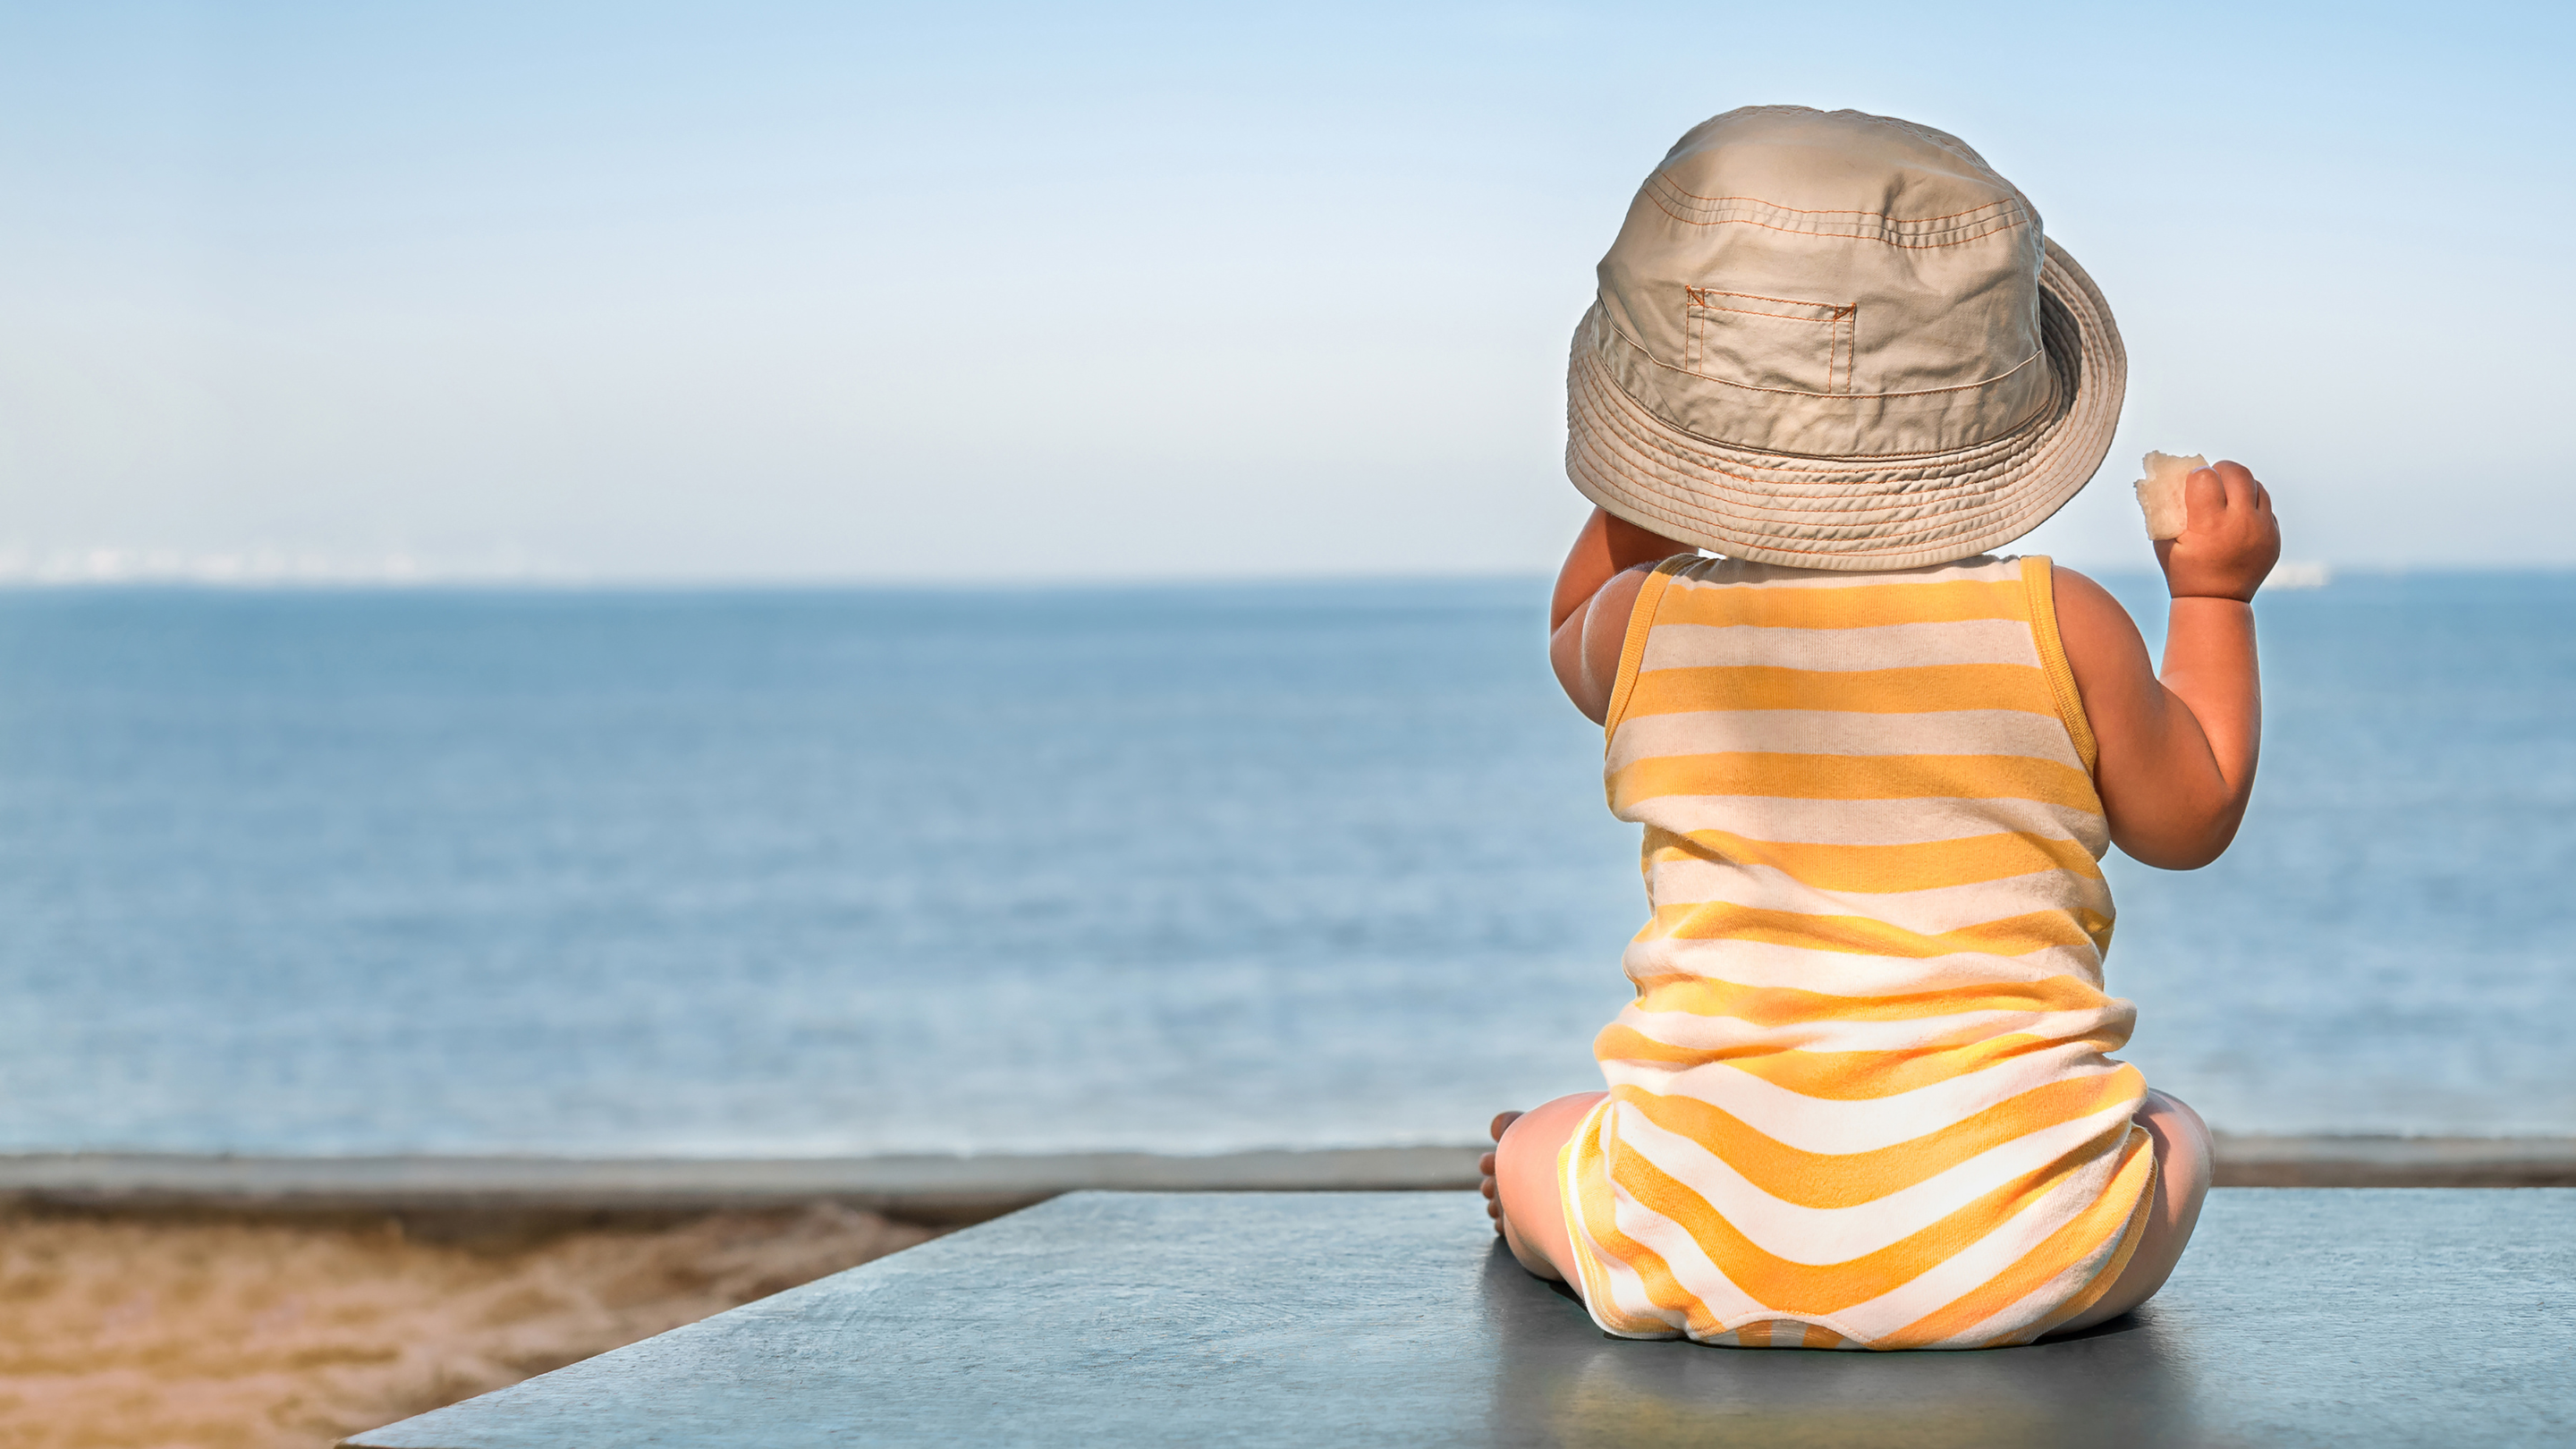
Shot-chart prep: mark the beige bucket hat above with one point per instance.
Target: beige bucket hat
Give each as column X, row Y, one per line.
column 1838, row 341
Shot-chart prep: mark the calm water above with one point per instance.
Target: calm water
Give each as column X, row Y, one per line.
column 1183, row 869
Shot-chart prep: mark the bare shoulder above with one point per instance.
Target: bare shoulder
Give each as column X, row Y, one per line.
column 2103, row 646
column 2085, row 607
column 1587, row 646
column 1611, row 608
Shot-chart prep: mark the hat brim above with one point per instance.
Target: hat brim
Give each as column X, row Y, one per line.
column 1858, row 514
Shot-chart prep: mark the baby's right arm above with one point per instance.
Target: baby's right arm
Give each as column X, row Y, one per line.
column 2177, row 754
column 1587, row 621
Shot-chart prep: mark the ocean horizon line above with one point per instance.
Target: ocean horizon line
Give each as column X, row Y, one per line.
column 334, row 577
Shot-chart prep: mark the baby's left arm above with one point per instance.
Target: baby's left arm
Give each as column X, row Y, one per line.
column 2177, row 759
column 1588, row 619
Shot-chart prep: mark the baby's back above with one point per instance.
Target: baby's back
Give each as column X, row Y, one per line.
column 1861, row 1097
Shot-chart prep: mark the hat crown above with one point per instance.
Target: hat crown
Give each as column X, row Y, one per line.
column 1828, row 284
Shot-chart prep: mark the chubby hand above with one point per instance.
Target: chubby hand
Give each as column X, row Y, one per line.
column 2231, row 541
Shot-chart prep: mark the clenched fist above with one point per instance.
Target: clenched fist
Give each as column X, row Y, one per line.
column 2231, row 541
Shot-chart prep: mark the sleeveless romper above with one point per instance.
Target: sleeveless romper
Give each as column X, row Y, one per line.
column 1861, row 1099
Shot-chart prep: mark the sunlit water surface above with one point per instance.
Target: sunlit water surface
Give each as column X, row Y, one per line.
column 1183, row 869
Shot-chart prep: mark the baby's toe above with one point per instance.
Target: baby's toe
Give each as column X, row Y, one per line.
column 1485, row 1169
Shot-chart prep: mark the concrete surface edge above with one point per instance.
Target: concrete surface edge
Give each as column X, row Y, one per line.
column 978, row 1186
column 1117, row 1319
column 937, row 1188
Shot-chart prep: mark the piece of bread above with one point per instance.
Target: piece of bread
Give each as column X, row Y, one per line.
column 2160, row 492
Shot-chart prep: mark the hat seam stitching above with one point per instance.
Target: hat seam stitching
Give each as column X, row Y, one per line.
column 1751, row 490
column 2001, row 448
column 2010, row 514
column 2043, row 444
column 1615, row 329
column 1955, row 522
column 1882, row 238
column 1665, row 175
column 2003, row 444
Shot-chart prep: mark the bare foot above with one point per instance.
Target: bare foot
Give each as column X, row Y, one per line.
column 1485, row 1165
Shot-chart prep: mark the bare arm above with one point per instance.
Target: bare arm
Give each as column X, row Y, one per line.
column 1588, row 618
column 2178, row 754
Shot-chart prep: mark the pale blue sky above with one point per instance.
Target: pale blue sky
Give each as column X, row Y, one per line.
column 781, row 291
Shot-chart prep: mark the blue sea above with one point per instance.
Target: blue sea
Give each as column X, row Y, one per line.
column 1179, row 868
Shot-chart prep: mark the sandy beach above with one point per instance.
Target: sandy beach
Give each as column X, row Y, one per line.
column 157, row 1332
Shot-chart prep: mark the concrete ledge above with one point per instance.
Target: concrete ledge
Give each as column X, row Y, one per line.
column 969, row 1189
column 2353, row 1319
column 2396, row 1161
column 933, row 1189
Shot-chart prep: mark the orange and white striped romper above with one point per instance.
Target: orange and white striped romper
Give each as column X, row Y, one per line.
column 1861, row 1099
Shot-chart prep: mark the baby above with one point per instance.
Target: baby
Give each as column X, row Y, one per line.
column 1863, row 1097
